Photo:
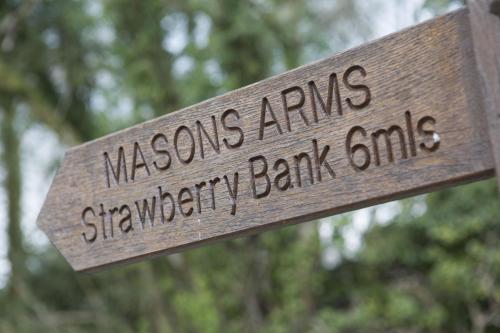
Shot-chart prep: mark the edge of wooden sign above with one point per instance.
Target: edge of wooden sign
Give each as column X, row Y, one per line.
column 485, row 30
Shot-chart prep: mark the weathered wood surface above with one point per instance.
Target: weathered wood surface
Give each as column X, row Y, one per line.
column 485, row 25
column 420, row 85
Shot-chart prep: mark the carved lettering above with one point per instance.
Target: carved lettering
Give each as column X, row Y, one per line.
column 431, row 135
column 298, row 106
column 163, row 196
column 316, row 95
column 285, row 174
column 352, row 150
column 388, row 135
column 213, row 139
column 185, row 197
column 262, row 173
column 161, row 151
column 357, row 87
column 190, row 143
column 366, row 146
column 232, row 128
column 86, row 238
column 385, row 140
column 121, row 167
column 266, row 108
column 135, row 162
column 127, row 218
column 147, row 212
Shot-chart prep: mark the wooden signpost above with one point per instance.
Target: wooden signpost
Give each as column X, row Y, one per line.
column 413, row 112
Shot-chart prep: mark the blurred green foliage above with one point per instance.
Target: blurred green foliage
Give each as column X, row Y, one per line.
column 66, row 65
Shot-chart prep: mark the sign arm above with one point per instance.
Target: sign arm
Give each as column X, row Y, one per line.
column 399, row 116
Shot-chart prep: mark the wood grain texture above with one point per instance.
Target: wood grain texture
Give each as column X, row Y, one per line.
column 485, row 25
column 418, row 85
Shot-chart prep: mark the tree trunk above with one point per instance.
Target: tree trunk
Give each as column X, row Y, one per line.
column 12, row 183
